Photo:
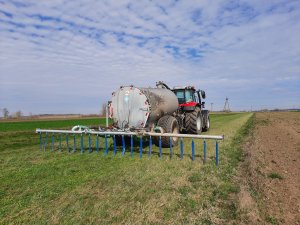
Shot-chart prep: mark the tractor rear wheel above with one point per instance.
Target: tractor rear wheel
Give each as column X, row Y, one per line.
column 193, row 122
column 170, row 125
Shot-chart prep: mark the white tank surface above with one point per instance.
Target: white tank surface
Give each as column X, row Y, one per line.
column 134, row 107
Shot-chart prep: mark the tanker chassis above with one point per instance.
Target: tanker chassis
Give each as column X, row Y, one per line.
column 160, row 109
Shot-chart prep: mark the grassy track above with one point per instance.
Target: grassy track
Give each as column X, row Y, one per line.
column 38, row 187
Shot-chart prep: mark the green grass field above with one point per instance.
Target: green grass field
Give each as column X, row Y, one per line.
column 52, row 187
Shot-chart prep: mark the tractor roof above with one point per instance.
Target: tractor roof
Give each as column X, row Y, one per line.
column 184, row 87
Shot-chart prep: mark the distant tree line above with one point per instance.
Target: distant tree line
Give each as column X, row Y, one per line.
column 18, row 114
column 6, row 114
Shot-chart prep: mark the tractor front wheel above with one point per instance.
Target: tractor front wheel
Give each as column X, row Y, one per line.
column 206, row 123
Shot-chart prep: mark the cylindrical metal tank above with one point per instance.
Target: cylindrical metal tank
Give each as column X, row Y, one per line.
column 134, row 107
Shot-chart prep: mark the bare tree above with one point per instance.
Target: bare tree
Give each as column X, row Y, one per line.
column 103, row 109
column 19, row 114
column 5, row 112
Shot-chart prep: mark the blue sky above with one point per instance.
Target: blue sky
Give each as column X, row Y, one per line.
column 69, row 56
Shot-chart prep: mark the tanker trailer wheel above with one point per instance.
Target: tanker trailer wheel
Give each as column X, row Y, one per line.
column 169, row 125
column 119, row 141
column 193, row 122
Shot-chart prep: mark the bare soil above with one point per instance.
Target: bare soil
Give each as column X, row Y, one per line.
column 269, row 176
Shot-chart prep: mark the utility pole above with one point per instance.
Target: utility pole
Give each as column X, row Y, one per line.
column 211, row 106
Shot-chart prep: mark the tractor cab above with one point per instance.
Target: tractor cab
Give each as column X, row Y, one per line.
column 188, row 97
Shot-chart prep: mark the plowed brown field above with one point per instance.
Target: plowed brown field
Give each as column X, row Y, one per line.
column 270, row 174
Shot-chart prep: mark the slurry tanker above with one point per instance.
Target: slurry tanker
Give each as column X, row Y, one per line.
column 160, row 109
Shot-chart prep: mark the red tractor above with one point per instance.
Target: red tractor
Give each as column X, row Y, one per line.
column 191, row 116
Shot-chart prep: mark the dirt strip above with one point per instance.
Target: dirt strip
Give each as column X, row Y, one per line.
column 270, row 174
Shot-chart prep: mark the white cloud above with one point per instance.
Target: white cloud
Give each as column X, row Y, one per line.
column 51, row 48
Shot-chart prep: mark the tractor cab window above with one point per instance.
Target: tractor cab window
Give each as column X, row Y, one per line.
column 180, row 96
column 189, row 96
column 197, row 97
column 185, row 96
